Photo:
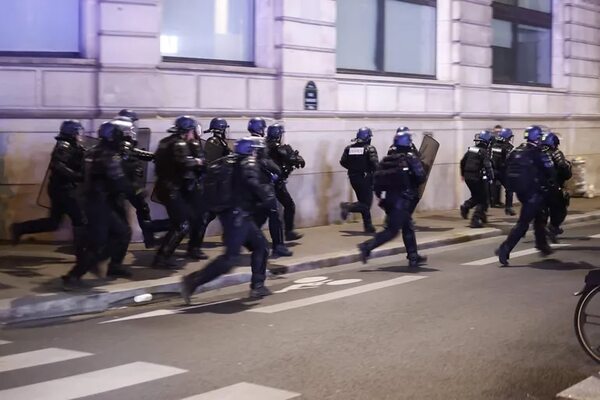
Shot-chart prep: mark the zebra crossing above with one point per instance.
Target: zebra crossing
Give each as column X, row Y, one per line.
column 109, row 379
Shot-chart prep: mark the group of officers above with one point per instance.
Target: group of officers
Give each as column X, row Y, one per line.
column 536, row 171
column 92, row 186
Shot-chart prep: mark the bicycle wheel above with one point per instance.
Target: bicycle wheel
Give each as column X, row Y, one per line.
column 587, row 322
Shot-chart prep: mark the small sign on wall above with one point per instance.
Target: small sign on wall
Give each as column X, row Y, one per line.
column 310, row 96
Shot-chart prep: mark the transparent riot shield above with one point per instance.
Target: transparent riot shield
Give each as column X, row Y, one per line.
column 43, row 199
column 428, row 151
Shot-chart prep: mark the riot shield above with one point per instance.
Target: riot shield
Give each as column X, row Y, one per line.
column 143, row 143
column 428, row 151
column 43, row 199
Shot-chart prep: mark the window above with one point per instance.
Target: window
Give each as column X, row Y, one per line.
column 217, row 30
column 386, row 37
column 39, row 27
column 522, row 42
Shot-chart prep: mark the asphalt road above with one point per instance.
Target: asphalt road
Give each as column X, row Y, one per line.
column 375, row 331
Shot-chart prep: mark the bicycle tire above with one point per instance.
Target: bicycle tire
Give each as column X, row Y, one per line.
column 579, row 322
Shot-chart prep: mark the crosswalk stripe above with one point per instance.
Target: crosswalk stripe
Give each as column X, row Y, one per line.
column 595, row 236
column 585, row 390
column 4, row 342
column 38, row 357
column 335, row 295
column 92, row 383
column 245, row 391
column 491, row 260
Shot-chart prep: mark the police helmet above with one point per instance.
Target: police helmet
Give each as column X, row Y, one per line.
column 114, row 130
column 184, row 124
column 257, row 126
column 550, row 139
column 534, row 134
column 128, row 113
column 364, row 135
column 484, row 136
column 506, row 134
column 247, row 145
column 217, row 125
column 403, row 138
column 402, row 129
column 275, row 133
column 71, row 128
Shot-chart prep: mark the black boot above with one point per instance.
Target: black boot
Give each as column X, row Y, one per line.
column 365, row 252
column 344, row 210
column 503, row 254
column 293, row 235
column 416, row 260
column 118, row 271
column 15, row 234
column 281, row 251
column 464, row 212
column 259, row 292
column 196, row 253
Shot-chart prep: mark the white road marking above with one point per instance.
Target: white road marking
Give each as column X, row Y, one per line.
column 335, row 295
column 4, row 342
column 245, row 391
column 91, row 383
column 492, row 260
column 595, row 236
column 343, row 282
column 585, row 390
column 38, row 357
column 160, row 313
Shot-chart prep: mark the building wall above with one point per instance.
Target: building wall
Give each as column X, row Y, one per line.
column 295, row 43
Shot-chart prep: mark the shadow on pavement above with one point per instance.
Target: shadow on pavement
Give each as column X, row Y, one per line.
column 556, row 265
column 401, row 269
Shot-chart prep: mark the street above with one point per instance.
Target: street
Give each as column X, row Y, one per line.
column 461, row 327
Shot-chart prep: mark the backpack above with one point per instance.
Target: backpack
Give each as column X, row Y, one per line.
column 219, row 184
column 521, row 172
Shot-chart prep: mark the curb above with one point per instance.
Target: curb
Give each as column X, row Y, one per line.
column 30, row 308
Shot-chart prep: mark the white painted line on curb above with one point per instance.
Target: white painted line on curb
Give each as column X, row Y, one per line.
column 4, row 342
column 289, row 305
column 522, row 253
column 160, row 313
column 91, row 383
column 245, row 391
column 587, row 389
column 38, row 357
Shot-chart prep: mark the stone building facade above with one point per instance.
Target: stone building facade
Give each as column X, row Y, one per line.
column 123, row 60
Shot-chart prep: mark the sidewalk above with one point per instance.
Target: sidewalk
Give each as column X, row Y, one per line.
column 30, row 284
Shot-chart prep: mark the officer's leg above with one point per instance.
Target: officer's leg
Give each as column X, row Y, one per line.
column 257, row 244
column 529, row 210
column 144, row 219
column 539, row 229
column 207, row 218
column 470, row 202
column 197, row 218
column 508, row 205
column 74, row 210
column 275, row 230
column 365, row 199
column 479, row 196
column 120, row 236
column 235, row 229
column 177, row 211
column 97, row 239
column 289, row 211
column 49, row 224
column 395, row 219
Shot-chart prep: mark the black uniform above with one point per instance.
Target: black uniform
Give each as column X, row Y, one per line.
column 66, row 174
column 133, row 166
column 178, row 188
column 558, row 198
column 105, row 190
column 360, row 159
column 536, row 169
column 476, row 169
column 397, row 183
column 269, row 173
column 287, row 159
column 215, row 148
column 499, row 154
column 239, row 229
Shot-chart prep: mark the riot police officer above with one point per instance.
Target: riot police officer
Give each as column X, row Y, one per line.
column 360, row 159
column 413, row 149
column 66, row 174
column 105, row 189
column 530, row 174
column 133, row 166
column 501, row 147
column 216, row 146
column 287, row 159
column 396, row 183
column 476, row 171
column 270, row 172
column 558, row 199
column 247, row 194
column 177, row 187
